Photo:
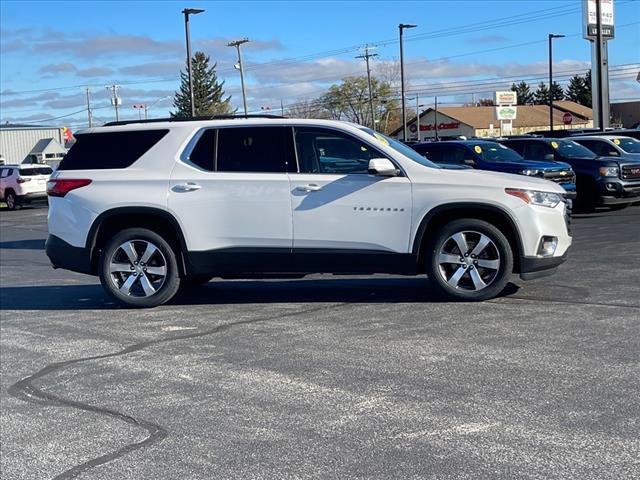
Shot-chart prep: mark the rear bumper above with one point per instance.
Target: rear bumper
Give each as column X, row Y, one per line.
column 538, row 267
column 64, row 255
column 36, row 197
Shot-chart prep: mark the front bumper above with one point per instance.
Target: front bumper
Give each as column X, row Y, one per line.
column 615, row 191
column 68, row 257
column 538, row 267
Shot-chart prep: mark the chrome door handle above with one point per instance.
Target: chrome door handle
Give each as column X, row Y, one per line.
column 311, row 187
column 186, row 187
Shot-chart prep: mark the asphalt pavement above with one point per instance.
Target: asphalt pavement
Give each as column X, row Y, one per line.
column 325, row 377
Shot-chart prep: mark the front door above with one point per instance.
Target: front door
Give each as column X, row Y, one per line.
column 337, row 205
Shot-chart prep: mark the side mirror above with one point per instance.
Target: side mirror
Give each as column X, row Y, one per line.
column 469, row 161
column 613, row 153
column 382, row 167
column 549, row 157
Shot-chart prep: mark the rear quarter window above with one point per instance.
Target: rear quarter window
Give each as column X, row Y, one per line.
column 109, row 150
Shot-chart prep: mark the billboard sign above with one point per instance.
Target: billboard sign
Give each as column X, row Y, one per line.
column 506, row 113
column 590, row 19
column 507, row 97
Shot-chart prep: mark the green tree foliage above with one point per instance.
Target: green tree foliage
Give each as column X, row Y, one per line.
column 579, row 89
column 208, row 91
column 349, row 101
column 541, row 96
column 525, row 96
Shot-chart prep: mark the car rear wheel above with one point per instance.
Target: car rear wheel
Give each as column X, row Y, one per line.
column 10, row 200
column 138, row 268
column 469, row 260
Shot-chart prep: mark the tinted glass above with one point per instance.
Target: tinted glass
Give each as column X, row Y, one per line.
column 496, row 152
column 255, row 149
column 431, row 152
column 109, row 150
column 30, row 172
column 597, row 147
column 517, row 146
column 203, row 152
column 537, row 151
column 571, row 149
column 400, row 147
column 629, row 145
column 329, row 151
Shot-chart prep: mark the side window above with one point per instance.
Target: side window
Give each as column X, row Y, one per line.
column 517, row 146
column 329, row 151
column 203, row 152
column 433, row 154
column 255, row 149
column 605, row 149
column 3, row 172
column 535, row 151
column 453, row 154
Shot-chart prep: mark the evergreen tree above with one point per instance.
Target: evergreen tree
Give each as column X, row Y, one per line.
column 556, row 92
column 208, row 91
column 541, row 96
column 525, row 96
column 579, row 89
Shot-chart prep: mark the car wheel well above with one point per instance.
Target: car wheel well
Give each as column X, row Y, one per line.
column 115, row 223
column 499, row 219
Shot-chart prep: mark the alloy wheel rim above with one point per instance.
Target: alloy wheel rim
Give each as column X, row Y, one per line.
column 469, row 260
column 138, row 268
column 10, row 201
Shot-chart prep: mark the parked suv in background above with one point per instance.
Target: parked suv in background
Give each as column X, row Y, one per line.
column 611, row 145
column 611, row 181
column 23, row 184
column 487, row 155
column 150, row 206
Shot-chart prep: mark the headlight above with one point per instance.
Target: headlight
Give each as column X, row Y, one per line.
column 535, row 197
column 532, row 172
column 609, row 171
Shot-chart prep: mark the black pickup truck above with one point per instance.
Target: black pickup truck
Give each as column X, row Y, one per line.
column 610, row 181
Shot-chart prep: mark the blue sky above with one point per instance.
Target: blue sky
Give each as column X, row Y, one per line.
column 50, row 50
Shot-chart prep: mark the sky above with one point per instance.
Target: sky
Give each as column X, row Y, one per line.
column 52, row 51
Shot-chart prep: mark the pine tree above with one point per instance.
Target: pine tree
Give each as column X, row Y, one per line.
column 579, row 89
column 525, row 96
column 208, row 92
column 541, row 96
column 556, row 92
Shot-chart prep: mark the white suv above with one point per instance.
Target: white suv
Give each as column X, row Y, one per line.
column 150, row 206
column 23, row 184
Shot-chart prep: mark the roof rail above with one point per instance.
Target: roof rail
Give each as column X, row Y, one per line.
column 189, row 119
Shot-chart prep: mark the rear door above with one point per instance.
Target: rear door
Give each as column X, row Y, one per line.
column 338, row 205
column 230, row 190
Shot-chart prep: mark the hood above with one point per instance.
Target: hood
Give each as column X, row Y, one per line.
column 533, row 164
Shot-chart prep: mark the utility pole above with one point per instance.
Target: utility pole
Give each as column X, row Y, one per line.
column 418, row 115
column 89, row 107
column 401, row 27
column 366, row 56
column 601, row 122
column 237, row 44
column 436, row 119
column 115, row 100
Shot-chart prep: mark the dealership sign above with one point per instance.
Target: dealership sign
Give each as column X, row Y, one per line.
column 441, row 126
column 506, row 113
column 507, row 97
column 590, row 19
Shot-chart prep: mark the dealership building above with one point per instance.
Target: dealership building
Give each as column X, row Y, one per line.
column 472, row 121
column 30, row 144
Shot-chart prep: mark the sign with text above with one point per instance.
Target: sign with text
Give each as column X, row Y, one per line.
column 506, row 98
column 506, row 113
column 590, row 19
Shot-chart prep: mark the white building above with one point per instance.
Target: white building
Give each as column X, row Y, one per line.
column 18, row 142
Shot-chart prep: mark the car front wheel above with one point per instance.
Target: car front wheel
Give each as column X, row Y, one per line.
column 469, row 260
column 10, row 200
column 138, row 268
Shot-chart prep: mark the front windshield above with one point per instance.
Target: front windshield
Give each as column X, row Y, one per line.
column 628, row 144
column 496, row 152
column 571, row 149
column 400, row 147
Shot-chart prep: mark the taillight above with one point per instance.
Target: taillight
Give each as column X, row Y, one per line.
column 22, row 180
column 59, row 187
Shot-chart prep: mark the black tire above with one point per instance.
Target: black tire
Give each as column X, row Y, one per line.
column 499, row 250
column 618, row 206
column 586, row 199
column 195, row 280
column 163, row 256
column 11, row 200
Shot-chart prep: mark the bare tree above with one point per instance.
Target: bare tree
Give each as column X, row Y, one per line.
column 306, row 109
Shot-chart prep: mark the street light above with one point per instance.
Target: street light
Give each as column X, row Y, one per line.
column 551, row 37
column 147, row 107
column 187, row 12
column 401, row 27
column 239, row 66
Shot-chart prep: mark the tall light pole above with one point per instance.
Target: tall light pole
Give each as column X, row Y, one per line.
column 366, row 56
column 237, row 44
column 401, row 27
column 147, row 107
column 187, row 12
column 551, row 37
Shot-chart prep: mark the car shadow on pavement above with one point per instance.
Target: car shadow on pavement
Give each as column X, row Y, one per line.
column 36, row 244
column 229, row 292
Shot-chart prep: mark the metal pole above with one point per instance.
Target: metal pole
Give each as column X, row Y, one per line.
column 281, row 108
column 436, row 119
column 237, row 44
column 599, row 62
column 550, row 83
column 89, row 108
column 146, row 111
column 404, row 113
column 188, row 37
column 418, row 115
